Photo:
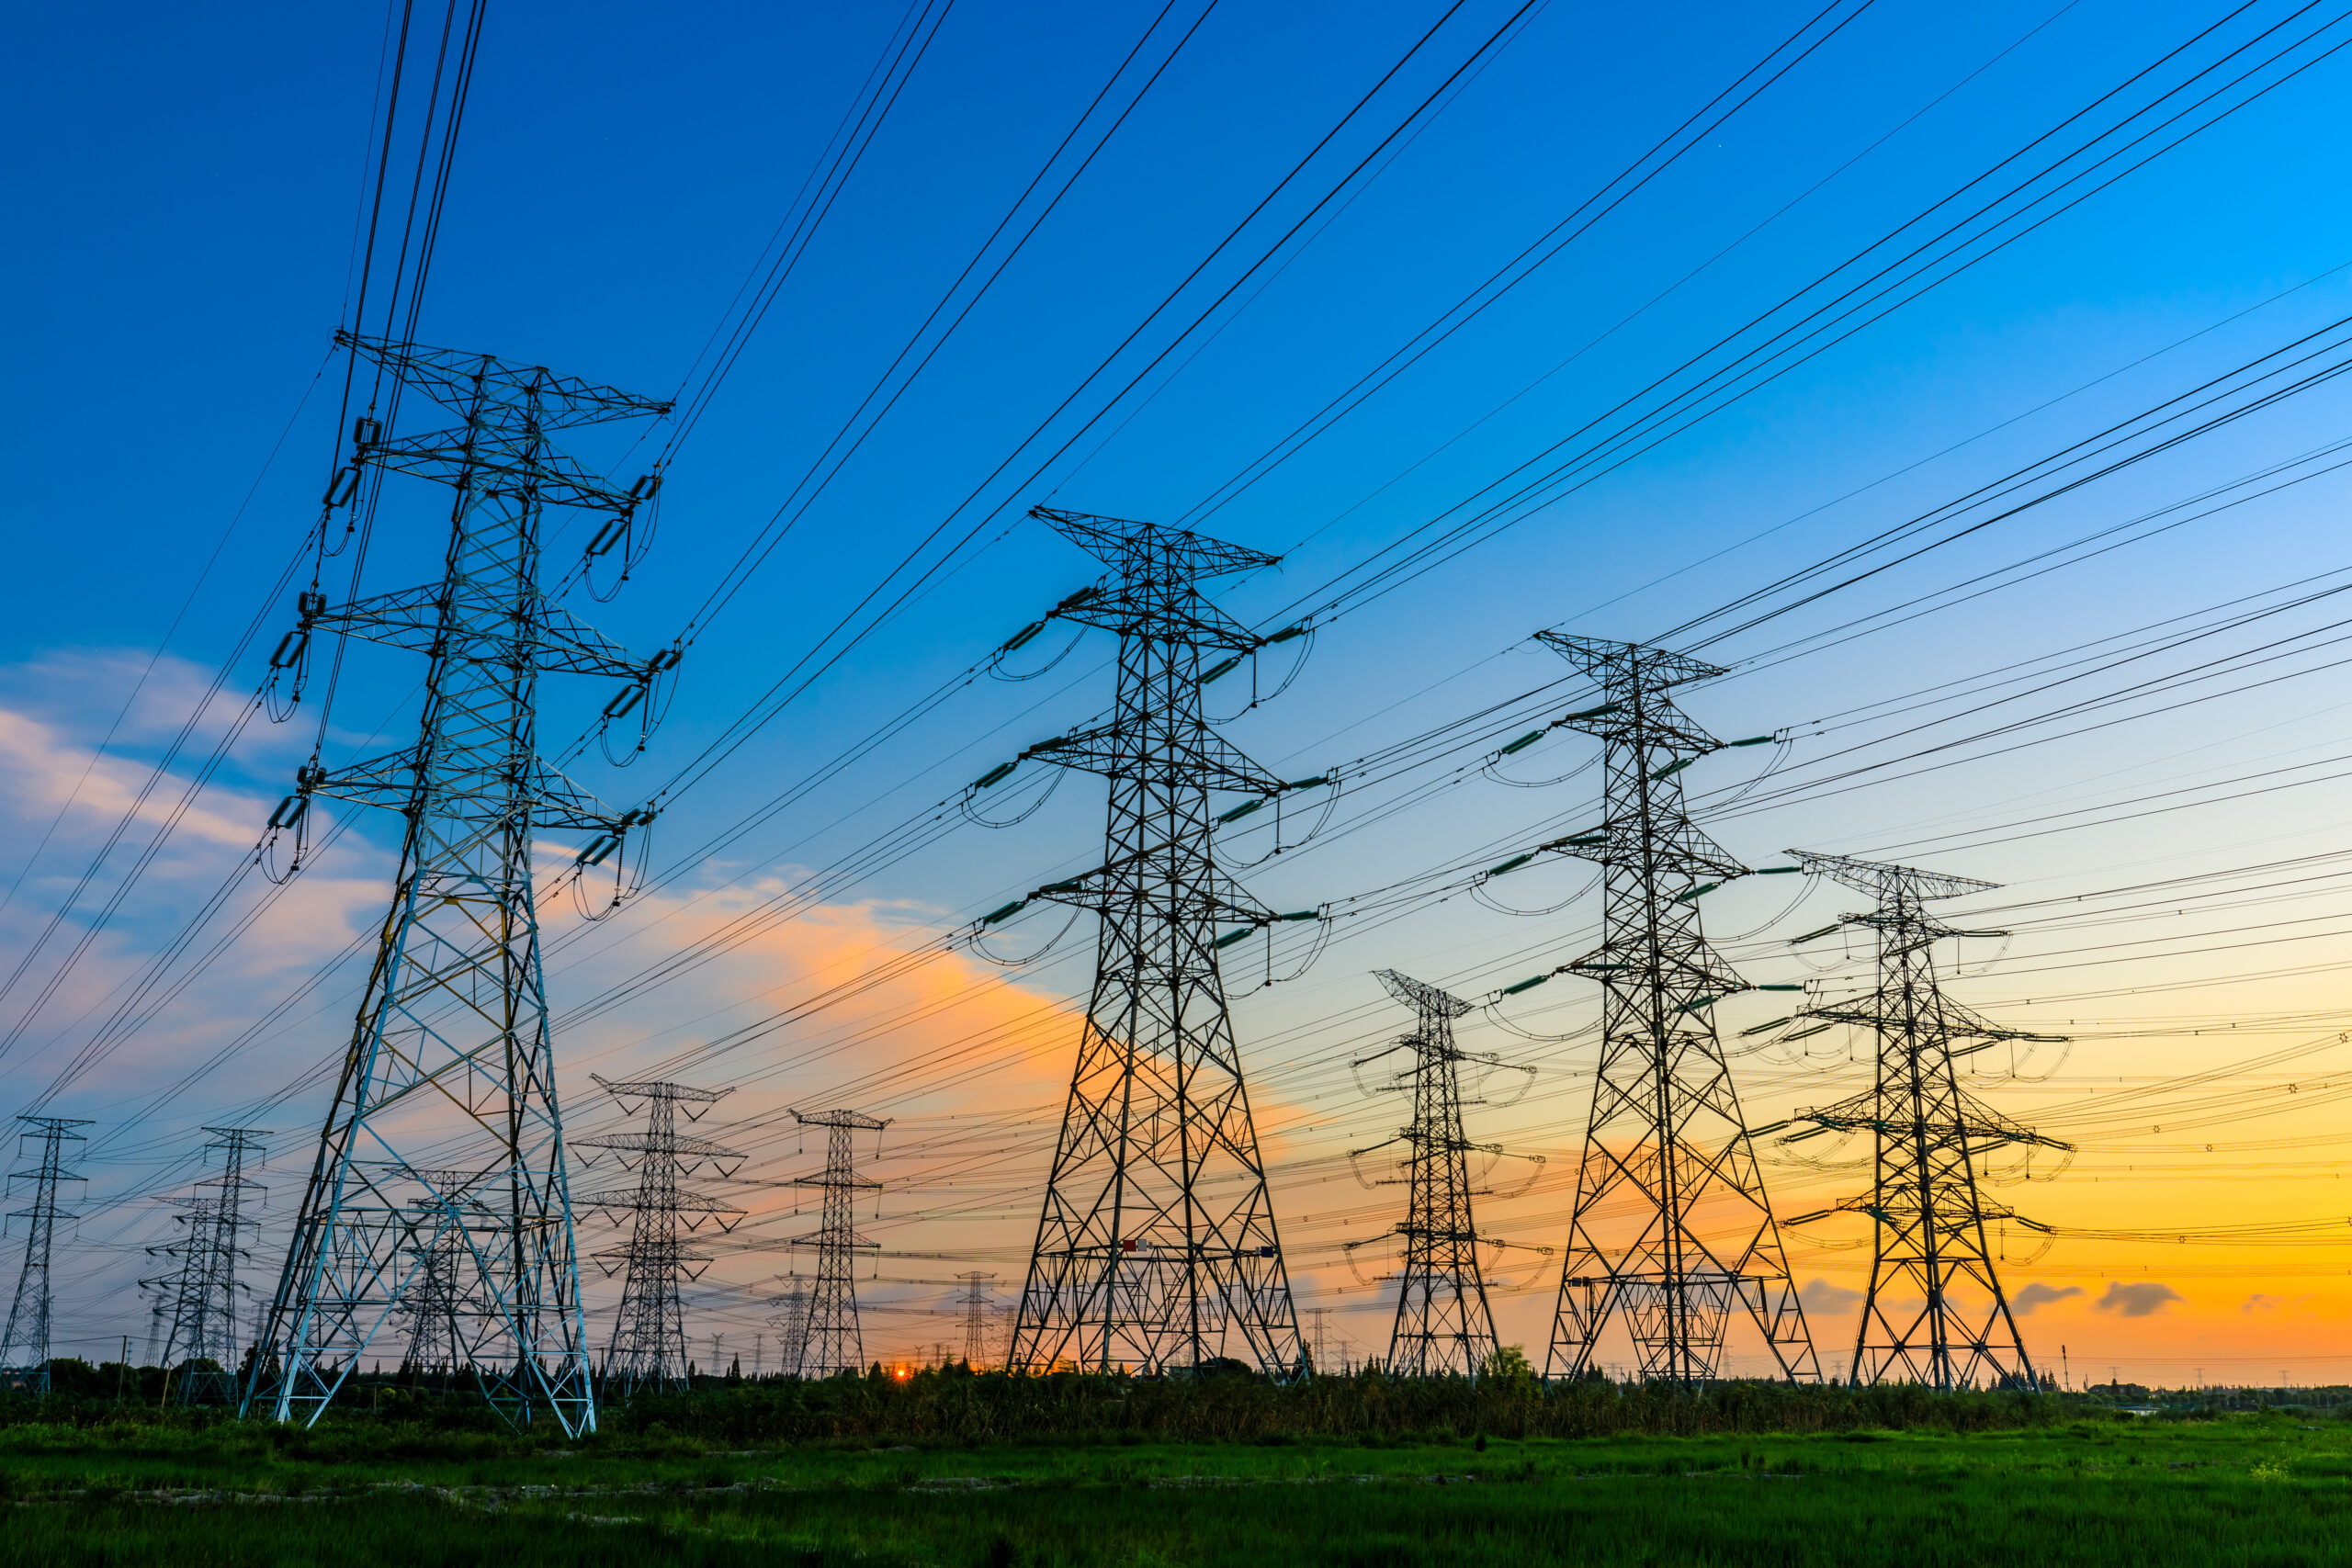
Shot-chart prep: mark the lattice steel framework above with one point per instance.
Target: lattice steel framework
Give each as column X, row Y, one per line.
column 1443, row 1322
column 1156, row 1246
column 1928, row 1217
column 648, row 1345
column 451, row 1049
column 437, row 1291
column 976, row 1317
column 24, row 1344
column 1672, row 1231
column 831, row 1341
column 201, row 1296
column 791, row 1326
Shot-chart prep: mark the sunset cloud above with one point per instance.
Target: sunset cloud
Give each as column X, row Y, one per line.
column 2143, row 1299
column 2038, row 1295
column 1820, row 1295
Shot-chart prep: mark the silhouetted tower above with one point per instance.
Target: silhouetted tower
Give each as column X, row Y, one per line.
column 1671, row 1230
column 1156, row 1246
column 791, row 1326
column 1444, row 1323
column 199, row 1297
column 434, row 1300
column 451, row 1051
column 1927, row 1215
column 24, row 1345
column 831, row 1342
column 649, row 1345
column 976, row 1317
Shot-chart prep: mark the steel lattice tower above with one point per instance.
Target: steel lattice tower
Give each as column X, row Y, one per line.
column 24, row 1345
column 830, row 1342
column 451, row 1050
column 434, row 1301
column 1444, row 1323
column 976, row 1317
column 1155, row 1245
column 1671, row 1230
column 791, row 1325
column 1927, row 1215
column 202, row 1293
column 648, row 1345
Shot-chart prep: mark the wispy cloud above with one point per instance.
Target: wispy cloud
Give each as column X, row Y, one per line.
column 2038, row 1295
column 1820, row 1295
column 2143, row 1298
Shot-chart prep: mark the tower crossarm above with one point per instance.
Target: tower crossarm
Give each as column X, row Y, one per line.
column 509, row 458
column 1211, row 897
column 462, row 380
column 1107, row 749
column 550, row 637
column 1677, row 849
column 1123, row 541
column 629, row 1200
column 1887, row 883
column 1627, row 663
column 391, row 780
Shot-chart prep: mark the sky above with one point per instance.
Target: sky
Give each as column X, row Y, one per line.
column 2119, row 703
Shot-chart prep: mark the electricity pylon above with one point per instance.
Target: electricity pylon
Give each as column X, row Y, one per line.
column 451, row 1050
column 434, row 1296
column 830, row 1342
column 1926, row 1214
column 1156, row 1244
column 1672, row 1231
column 1443, row 1322
column 791, row 1326
column 200, row 1295
column 976, row 1317
column 24, row 1345
column 649, row 1345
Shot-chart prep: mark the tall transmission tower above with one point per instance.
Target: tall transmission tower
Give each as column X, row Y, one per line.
column 1672, row 1231
column 791, row 1326
column 1156, row 1246
column 436, row 1300
column 1443, row 1322
column 830, row 1342
column 1927, row 1215
column 451, row 1049
column 649, row 1345
column 976, row 1317
column 24, row 1345
column 200, row 1295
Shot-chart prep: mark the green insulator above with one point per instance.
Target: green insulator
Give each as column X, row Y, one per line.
column 1526, row 985
column 1672, row 769
column 1816, row 936
column 1230, row 937
column 1238, row 812
column 1302, row 915
column 1796, row 987
column 1763, row 1028
column 1022, row 638
column 1006, row 913
column 1753, row 740
column 1318, row 782
column 1522, row 743
column 1286, row 634
column 1511, row 864
column 1221, row 667
column 994, row 774
column 1689, row 894
column 1775, row 870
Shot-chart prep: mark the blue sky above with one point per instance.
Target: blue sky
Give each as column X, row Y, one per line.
column 188, row 223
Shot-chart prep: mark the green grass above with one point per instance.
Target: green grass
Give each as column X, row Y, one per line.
column 2253, row 1490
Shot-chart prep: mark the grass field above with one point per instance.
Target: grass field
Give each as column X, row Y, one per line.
column 2270, row 1490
